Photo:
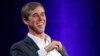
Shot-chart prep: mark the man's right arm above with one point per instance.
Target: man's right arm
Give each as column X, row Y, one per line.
column 22, row 50
column 16, row 52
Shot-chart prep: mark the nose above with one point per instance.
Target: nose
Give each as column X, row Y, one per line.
column 40, row 18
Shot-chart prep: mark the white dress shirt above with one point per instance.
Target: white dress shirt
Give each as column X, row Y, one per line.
column 41, row 44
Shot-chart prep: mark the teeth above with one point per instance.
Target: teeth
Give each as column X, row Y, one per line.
column 40, row 23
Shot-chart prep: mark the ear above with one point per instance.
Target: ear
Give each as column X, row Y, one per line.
column 25, row 21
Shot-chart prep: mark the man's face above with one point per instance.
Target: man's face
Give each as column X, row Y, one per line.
column 37, row 20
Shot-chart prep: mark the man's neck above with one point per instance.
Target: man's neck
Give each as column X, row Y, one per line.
column 40, row 35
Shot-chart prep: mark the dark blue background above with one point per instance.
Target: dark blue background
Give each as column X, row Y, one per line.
column 76, row 23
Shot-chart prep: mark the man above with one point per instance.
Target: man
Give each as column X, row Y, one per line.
column 37, row 42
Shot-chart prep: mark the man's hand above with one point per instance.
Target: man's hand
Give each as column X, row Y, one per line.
column 54, row 45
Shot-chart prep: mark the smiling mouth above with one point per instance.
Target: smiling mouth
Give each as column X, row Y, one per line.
column 40, row 23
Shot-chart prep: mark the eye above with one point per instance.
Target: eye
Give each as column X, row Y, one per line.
column 42, row 14
column 34, row 15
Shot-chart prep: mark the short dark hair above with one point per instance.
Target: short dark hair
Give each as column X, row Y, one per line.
column 27, row 7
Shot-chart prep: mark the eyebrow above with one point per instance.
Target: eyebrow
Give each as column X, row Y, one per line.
column 41, row 12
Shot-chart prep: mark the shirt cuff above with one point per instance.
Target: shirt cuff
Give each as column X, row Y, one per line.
column 42, row 52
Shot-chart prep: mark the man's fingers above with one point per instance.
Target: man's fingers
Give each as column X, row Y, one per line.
column 54, row 45
column 58, row 45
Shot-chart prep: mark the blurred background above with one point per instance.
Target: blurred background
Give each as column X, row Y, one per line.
column 76, row 23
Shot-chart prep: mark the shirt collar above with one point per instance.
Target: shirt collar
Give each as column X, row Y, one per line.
column 37, row 39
